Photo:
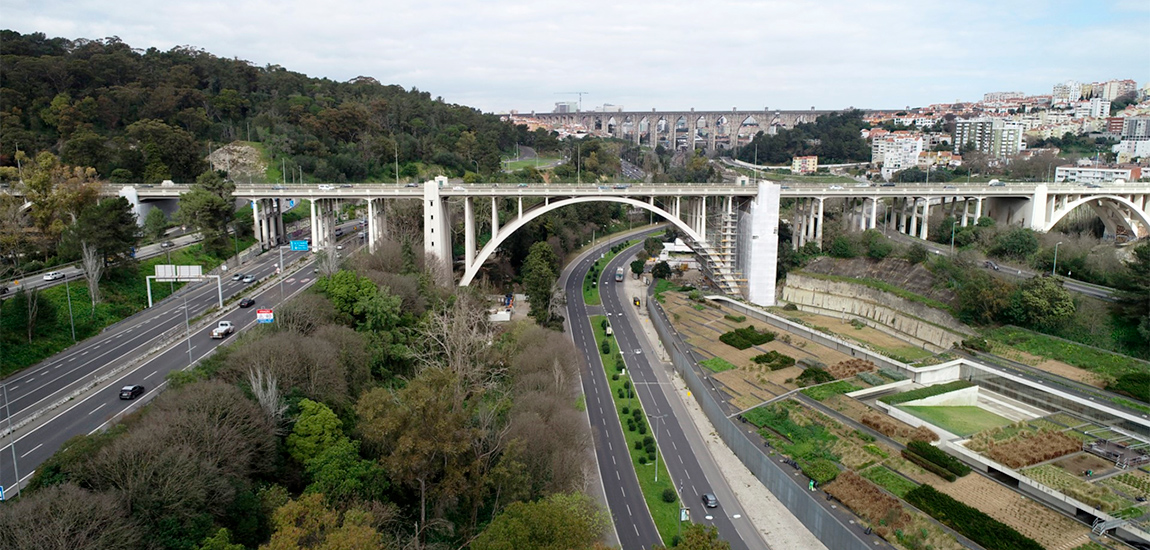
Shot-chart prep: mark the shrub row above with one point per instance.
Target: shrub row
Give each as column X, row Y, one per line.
column 821, row 470
column 735, row 318
column 872, row 379
column 892, row 374
column 893, row 428
column 971, row 522
column 938, row 456
column 819, row 393
column 929, row 466
column 850, row 367
column 885, row 512
column 774, row 360
column 937, row 389
column 743, row 338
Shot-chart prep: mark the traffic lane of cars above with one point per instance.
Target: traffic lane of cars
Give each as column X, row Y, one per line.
column 632, row 519
column 96, row 353
column 99, row 407
column 678, row 452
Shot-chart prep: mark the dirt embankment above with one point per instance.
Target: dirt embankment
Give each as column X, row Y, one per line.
column 898, row 272
column 242, row 162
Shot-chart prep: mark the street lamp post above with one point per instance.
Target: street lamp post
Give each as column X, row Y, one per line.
column 952, row 226
column 71, row 318
column 659, row 418
column 1055, row 267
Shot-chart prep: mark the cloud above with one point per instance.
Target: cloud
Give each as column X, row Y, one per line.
column 721, row 54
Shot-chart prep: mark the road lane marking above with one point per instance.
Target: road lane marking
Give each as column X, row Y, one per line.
column 150, row 375
column 33, row 449
column 97, row 408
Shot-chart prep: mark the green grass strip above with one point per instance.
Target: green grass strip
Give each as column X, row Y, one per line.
column 717, row 364
column 665, row 514
column 1081, row 356
column 590, row 289
column 929, row 391
column 819, row 393
column 890, row 480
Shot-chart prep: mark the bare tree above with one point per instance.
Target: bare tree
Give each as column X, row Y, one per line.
column 267, row 392
column 93, row 266
column 66, row 517
column 32, row 303
column 327, row 262
column 459, row 337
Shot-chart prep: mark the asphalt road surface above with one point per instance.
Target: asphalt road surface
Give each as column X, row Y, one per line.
column 35, row 387
column 625, row 502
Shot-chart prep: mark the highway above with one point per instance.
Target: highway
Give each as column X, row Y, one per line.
column 36, row 387
column 625, row 502
column 680, row 444
column 693, row 475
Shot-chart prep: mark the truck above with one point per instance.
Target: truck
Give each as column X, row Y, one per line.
column 223, row 329
column 619, row 275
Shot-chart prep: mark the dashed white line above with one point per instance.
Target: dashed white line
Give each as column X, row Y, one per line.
column 150, row 375
column 97, row 408
column 30, row 451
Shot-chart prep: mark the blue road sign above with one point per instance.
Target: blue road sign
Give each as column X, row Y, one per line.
column 291, row 203
column 299, row 245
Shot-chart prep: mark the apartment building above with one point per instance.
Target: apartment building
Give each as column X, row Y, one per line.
column 805, row 165
column 1096, row 174
column 993, row 136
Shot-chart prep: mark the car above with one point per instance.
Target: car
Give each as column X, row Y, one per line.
column 887, row 184
column 279, row 187
column 167, row 244
column 860, row 184
column 638, row 351
column 991, row 265
column 339, row 247
column 949, row 187
column 459, row 188
column 131, row 392
column 710, row 501
column 53, row 275
column 521, row 185
column 603, row 188
column 1093, row 186
column 223, row 328
column 411, row 185
column 326, row 187
column 249, row 278
column 996, row 183
column 345, row 186
column 247, row 302
column 622, row 186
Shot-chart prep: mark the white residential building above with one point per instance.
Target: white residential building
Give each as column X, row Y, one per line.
column 996, row 137
column 1066, row 92
column 1096, row 174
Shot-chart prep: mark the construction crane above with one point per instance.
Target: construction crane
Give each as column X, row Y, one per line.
column 580, row 94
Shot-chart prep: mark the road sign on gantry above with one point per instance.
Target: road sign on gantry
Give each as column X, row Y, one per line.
column 299, row 245
column 179, row 273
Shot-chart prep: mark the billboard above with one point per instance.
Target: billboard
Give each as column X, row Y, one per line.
column 179, row 273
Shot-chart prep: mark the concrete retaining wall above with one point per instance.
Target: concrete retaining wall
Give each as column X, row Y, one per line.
column 956, row 398
column 909, row 320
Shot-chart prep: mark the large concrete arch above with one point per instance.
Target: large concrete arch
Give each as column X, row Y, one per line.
column 1134, row 210
column 507, row 230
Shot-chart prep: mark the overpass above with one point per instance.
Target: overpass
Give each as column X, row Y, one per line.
column 732, row 227
column 717, row 129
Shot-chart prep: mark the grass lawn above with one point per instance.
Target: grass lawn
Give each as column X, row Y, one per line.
column 887, row 479
column 590, row 282
column 666, row 515
column 1084, row 357
column 960, row 420
column 717, row 364
column 818, row 393
column 123, row 293
column 528, row 163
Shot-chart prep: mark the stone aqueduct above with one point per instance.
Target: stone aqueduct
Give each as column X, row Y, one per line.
column 714, row 130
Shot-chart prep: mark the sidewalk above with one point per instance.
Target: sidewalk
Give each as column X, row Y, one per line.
column 769, row 516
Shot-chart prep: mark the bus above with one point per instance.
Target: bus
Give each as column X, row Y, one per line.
column 619, row 275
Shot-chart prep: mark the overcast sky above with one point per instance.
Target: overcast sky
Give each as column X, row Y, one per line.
column 709, row 54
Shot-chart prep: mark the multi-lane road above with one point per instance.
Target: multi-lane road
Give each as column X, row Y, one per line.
column 682, row 449
column 54, row 379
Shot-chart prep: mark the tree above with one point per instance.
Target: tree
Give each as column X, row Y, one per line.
column 1017, row 242
column 1133, row 304
column 843, row 247
column 93, row 266
column 1041, row 302
column 222, row 540
column 702, row 537
column 109, row 227
column 662, row 270
column 316, row 429
column 338, row 472
column 539, row 276
column 637, row 267
column 208, row 207
column 982, row 299
column 305, row 523
column 155, row 223
column 66, row 517
column 653, row 246
column 561, row 521
column 917, row 253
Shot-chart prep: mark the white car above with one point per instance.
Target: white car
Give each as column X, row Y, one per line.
column 459, row 188
column 53, row 275
column 835, row 187
column 326, row 187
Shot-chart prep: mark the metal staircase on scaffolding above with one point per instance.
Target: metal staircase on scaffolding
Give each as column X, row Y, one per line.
column 721, row 259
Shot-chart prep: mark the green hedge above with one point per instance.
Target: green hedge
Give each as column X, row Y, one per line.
column 774, row 360
column 971, row 522
column 928, row 391
column 813, row 376
column 929, row 466
column 735, row 318
column 743, row 338
column 818, row 393
column 821, row 470
column 938, row 456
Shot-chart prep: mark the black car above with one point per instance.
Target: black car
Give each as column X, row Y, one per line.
column 131, row 392
column 167, row 244
column 710, row 501
column 247, row 302
column 3, row 290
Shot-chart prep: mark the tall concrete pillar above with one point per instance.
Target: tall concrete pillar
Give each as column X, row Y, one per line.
column 495, row 216
column 925, row 217
column 819, row 226
column 1039, row 208
column 468, row 232
column 913, row 227
column 862, row 213
column 314, row 224
column 712, row 134
column 873, row 213
column 763, row 248
column 965, row 212
column 256, row 221
column 703, row 218
column 692, row 127
column 436, row 235
column 977, row 209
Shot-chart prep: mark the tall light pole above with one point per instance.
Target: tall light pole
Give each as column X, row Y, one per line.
column 952, row 226
column 15, row 470
column 1055, row 267
column 71, row 318
column 659, row 418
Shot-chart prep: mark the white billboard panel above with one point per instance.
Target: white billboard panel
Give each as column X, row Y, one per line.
column 179, row 273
